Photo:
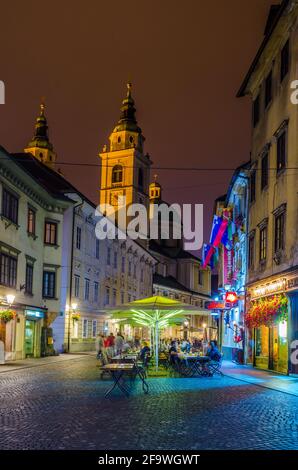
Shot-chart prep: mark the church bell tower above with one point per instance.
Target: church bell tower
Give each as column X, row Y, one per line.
column 40, row 146
column 125, row 168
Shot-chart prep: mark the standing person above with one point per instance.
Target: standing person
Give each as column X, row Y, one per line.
column 119, row 342
column 137, row 343
column 99, row 344
column 111, row 345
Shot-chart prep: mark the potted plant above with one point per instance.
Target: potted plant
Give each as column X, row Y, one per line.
column 7, row 315
column 76, row 316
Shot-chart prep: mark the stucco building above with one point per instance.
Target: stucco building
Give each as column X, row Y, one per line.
column 272, row 304
column 31, row 260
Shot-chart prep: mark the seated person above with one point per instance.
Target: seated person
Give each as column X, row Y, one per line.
column 213, row 352
column 126, row 347
column 173, row 353
column 145, row 352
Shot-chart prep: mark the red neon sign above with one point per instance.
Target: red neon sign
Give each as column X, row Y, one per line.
column 231, row 297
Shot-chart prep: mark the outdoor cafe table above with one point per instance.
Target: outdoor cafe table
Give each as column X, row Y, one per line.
column 194, row 365
column 125, row 357
column 118, row 371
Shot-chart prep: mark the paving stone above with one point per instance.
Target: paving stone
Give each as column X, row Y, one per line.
column 62, row 406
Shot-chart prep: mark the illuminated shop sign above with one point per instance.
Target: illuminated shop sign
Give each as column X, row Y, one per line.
column 269, row 289
column 292, row 283
column 34, row 313
column 215, row 305
column 231, row 297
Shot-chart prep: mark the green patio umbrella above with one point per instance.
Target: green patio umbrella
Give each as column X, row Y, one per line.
column 155, row 313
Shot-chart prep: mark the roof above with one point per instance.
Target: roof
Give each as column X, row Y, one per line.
column 171, row 283
column 52, row 181
column 275, row 14
column 173, row 253
column 49, row 179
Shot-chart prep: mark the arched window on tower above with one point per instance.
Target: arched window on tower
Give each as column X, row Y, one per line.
column 141, row 178
column 117, row 174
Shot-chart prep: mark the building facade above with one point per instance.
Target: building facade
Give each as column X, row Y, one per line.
column 272, row 305
column 232, row 264
column 104, row 274
column 31, row 231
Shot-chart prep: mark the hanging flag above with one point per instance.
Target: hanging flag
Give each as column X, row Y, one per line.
column 208, row 251
column 227, row 240
column 215, row 228
column 220, row 231
column 215, row 257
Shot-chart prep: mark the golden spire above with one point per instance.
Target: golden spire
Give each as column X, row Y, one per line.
column 42, row 105
column 129, row 87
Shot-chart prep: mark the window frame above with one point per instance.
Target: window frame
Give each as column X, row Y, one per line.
column 123, row 263
column 77, row 280
column 86, row 289
column 29, row 277
column 85, row 322
column 117, row 174
column 78, row 237
column 281, row 164
column 8, row 270
column 95, row 291
column 107, row 296
column 32, row 211
column 263, row 243
column 284, row 64
column 279, row 239
column 54, row 276
column 50, row 223
column 94, row 322
column 10, row 205
column 268, row 89
column 252, row 187
column 264, row 181
column 251, row 251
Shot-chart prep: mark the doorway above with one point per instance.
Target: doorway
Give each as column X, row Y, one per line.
column 29, row 338
column 271, row 347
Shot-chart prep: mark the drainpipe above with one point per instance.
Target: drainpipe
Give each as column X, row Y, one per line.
column 76, row 206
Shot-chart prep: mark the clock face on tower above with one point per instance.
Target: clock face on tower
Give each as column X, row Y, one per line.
column 114, row 198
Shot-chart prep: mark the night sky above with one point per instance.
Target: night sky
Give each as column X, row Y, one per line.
column 186, row 61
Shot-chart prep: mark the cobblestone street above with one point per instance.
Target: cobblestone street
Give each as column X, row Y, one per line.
column 62, row 406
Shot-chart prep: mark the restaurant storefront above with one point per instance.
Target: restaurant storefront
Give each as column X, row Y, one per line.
column 271, row 320
column 21, row 331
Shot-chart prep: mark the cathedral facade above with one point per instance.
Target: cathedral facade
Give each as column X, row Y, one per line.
column 125, row 172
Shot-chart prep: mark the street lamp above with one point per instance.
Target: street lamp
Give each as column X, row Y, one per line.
column 70, row 309
column 10, row 299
